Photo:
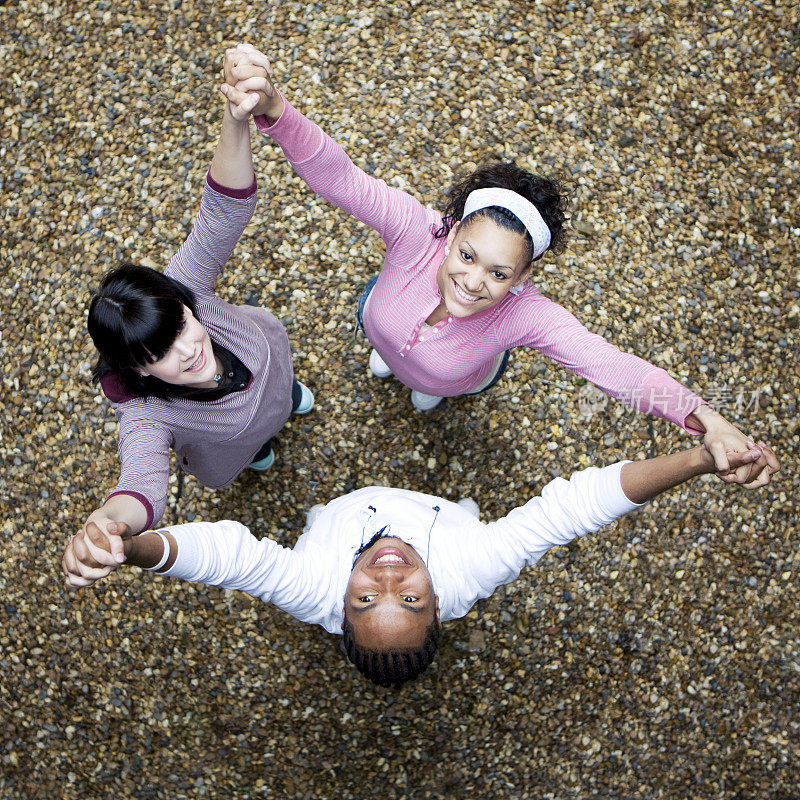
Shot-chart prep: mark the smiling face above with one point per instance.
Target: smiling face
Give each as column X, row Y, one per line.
column 389, row 598
column 484, row 262
column 189, row 361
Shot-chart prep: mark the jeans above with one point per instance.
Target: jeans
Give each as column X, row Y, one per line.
column 362, row 302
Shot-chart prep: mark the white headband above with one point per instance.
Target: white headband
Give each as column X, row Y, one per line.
column 525, row 211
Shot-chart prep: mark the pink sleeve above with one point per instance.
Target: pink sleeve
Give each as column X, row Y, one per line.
column 220, row 222
column 557, row 334
column 402, row 221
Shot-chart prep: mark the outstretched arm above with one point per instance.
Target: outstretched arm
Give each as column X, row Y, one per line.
column 228, row 201
column 643, row 480
column 556, row 333
column 219, row 554
column 232, row 165
column 494, row 554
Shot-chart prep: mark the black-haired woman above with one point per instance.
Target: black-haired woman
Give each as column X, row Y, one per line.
column 454, row 294
column 183, row 369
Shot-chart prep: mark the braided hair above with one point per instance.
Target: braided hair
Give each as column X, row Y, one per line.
column 392, row 667
column 549, row 195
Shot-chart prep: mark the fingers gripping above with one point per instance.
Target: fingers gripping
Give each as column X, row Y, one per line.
column 80, row 569
column 244, row 61
column 717, row 450
column 241, row 103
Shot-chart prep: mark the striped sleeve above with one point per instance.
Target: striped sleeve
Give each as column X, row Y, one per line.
column 557, row 334
column 403, row 222
column 220, row 222
column 144, row 453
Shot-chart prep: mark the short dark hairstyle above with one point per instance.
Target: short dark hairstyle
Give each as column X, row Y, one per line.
column 395, row 666
column 134, row 318
column 548, row 194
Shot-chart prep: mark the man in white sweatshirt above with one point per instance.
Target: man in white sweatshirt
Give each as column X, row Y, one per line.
column 385, row 566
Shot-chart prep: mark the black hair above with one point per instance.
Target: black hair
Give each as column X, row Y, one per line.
column 395, row 666
column 134, row 318
column 548, row 194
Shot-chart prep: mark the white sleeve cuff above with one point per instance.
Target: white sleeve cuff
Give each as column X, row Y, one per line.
column 611, row 490
column 189, row 552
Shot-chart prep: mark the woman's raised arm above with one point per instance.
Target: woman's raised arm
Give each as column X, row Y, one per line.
column 402, row 221
column 228, row 201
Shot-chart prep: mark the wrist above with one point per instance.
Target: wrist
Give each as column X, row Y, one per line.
column 228, row 118
column 705, row 418
column 702, row 460
column 270, row 106
column 107, row 510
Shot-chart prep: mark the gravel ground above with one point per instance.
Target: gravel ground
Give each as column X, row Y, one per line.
column 658, row 660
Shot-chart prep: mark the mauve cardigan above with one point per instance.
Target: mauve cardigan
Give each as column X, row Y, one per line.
column 215, row 440
column 456, row 355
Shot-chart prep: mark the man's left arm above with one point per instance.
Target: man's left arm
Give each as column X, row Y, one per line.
column 643, row 480
column 495, row 554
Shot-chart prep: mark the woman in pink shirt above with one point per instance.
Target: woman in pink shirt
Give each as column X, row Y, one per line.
column 454, row 294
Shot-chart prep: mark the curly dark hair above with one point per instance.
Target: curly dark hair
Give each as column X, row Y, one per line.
column 392, row 667
column 548, row 194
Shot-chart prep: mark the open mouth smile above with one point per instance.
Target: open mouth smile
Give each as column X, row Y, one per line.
column 388, row 555
column 462, row 295
column 198, row 364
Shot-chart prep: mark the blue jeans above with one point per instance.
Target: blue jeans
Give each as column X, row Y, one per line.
column 362, row 302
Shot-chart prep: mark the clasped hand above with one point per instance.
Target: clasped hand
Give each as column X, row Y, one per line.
column 248, row 84
column 94, row 552
column 721, row 438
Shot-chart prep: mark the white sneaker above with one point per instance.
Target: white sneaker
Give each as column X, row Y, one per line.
column 468, row 504
column 424, row 402
column 378, row 366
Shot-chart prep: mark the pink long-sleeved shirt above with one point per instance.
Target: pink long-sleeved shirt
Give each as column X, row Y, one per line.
column 457, row 355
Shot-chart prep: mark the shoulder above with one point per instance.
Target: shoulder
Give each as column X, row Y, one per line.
column 522, row 312
column 112, row 387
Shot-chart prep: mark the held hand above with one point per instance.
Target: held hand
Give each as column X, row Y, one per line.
column 244, row 61
column 241, row 104
column 248, row 71
column 722, row 439
column 751, row 468
column 95, row 552
column 759, row 472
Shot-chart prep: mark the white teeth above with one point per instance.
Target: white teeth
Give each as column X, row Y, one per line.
column 390, row 558
column 467, row 298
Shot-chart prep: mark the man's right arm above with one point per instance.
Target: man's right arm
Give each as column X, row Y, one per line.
column 221, row 554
